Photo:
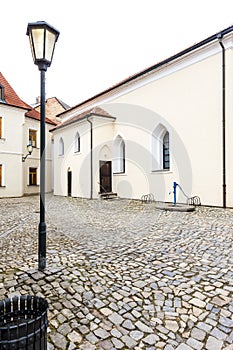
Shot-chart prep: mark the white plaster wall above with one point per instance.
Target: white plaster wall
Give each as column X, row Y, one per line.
column 34, row 159
column 78, row 163
column 188, row 103
column 229, row 127
column 11, row 151
column 103, row 129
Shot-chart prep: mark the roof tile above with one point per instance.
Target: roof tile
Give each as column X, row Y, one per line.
column 13, row 99
column 94, row 111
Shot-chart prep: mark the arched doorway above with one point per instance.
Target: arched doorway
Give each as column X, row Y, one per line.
column 105, row 169
column 105, row 176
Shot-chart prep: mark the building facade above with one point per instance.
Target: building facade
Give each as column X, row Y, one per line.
column 53, row 107
column 19, row 127
column 172, row 122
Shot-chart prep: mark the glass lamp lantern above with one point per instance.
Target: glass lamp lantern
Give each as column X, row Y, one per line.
column 42, row 38
column 29, row 148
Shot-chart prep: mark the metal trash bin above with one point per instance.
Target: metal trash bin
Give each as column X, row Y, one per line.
column 23, row 323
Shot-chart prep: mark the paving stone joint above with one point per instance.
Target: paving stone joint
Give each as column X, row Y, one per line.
column 123, row 274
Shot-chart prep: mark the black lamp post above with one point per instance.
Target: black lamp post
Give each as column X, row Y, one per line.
column 42, row 40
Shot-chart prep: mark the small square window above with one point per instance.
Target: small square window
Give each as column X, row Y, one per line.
column 32, row 176
column 32, row 137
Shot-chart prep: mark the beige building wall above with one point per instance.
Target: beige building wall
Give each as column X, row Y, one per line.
column 188, row 103
column 103, row 133
column 33, row 161
column 229, row 127
column 70, row 161
column 11, row 151
column 185, row 97
column 79, row 162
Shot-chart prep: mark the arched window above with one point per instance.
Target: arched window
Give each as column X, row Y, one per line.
column 166, row 152
column 160, row 149
column 61, row 147
column 77, row 142
column 119, row 155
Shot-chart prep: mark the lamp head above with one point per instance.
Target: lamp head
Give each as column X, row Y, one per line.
column 29, row 148
column 42, row 38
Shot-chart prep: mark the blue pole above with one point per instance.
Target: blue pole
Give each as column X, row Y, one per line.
column 174, row 191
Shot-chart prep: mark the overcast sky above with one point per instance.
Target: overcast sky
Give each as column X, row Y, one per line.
column 101, row 41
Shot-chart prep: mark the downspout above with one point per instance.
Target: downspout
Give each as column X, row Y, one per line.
column 223, row 119
column 91, row 156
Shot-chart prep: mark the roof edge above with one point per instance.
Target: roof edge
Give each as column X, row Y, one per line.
column 86, row 116
column 155, row 66
column 47, row 120
column 11, row 105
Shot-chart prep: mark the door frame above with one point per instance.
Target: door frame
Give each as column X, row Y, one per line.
column 103, row 178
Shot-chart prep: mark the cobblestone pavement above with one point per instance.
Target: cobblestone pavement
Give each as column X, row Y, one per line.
column 123, row 274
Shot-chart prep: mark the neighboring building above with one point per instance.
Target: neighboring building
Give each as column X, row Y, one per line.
column 53, row 107
column 170, row 122
column 20, row 126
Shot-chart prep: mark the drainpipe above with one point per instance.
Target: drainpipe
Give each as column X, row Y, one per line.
column 91, row 158
column 223, row 118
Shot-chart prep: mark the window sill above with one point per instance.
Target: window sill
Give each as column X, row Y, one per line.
column 162, row 171
column 33, row 185
column 121, row 174
column 77, row 153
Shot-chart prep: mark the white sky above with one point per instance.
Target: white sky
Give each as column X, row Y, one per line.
column 101, row 41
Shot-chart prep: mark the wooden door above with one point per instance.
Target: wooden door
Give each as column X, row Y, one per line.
column 105, row 176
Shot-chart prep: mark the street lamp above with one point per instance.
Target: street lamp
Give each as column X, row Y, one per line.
column 30, row 149
column 42, row 41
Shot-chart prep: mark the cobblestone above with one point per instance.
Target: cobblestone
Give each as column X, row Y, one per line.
column 123, row 274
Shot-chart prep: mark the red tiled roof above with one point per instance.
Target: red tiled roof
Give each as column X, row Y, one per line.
column 36, row 115
column 13, row 99
column 94, row 111
column 10, row 95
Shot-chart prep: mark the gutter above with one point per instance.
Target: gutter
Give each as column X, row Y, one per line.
column 16, row 106
column 220, row 36
column 91, row 156
column 63, row 125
